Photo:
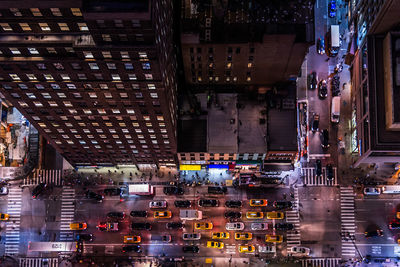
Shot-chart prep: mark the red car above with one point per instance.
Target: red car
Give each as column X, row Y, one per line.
column 108, row 226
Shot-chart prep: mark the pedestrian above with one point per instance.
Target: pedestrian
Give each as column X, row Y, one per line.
column 327, row 59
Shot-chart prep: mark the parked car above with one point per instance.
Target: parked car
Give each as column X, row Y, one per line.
column 332, row 8
column 116, row 215
column 372, row 191
column 233, row 215
column 112, row 191
column 3, row 190
column 282, row 204
column 318, row 167
column 394, row 225
column 284, row 226
column 374, row 233
column 208, row 203
column 84, row 237
column 321, row 46
column 259, row 226
column 108, row 226
column 300, row 250
column 139, row 213
column 322, row 89
column 315, row 123
column 160, row 204
column 190, row 249
column 161, row 238
column 266, row 249
column 132, row 248
column 233, row 204
column 92, row 195
column 312, row 81
column 191, row 236
column 237, row 226
column 329, row 172
column 173, row 190
column 182, row 203
column 141, row 226
column 39, row 189
column 325, row 139
column 217, row 189
column 174, row 225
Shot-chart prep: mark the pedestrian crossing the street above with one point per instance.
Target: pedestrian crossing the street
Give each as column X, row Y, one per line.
column 67, row 213
column 310, row 177
column 38, row 262
column 53, row 177
column 13, row 224
column 347, row 215
column 292, row 216
column 321, row 262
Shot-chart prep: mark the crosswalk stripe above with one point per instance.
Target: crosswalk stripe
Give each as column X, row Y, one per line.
column 38, row 262
column 53, row 177
column 320, row 262
column 347, row 214
column 13, row 225
column 67, row 214
column 293, row 237
column 311, row 179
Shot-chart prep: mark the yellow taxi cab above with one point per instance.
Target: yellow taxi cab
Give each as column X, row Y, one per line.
column 215, row 244
column 254, row 215
column 203, row 226
column 4, row 217
column 275, row 215
column 274, row 238
column 247, row 249
column 398, row 215
column 220, row 235
column 243, row 236
column 77, row 226
column 258, row 202
column 132, row 239
column 163, row 214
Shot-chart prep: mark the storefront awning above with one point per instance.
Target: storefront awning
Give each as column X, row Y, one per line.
column 191, row 167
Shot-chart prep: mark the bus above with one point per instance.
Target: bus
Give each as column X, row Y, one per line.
column 391, row 189
column 52, row 246
column 332, row 41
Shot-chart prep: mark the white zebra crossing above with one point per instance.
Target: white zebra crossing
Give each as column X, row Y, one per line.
column 67, row 213
column 310, row 177
column 13, row 224
column 53, row 177
column 347, row 215
column 292, row 216
column 230, row 249
column 321, row 262
column 38, row 262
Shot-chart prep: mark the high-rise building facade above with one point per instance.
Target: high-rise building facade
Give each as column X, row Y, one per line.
column 96, row 78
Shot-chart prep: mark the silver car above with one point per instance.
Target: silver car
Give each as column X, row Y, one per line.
column 259, row 226
column 237, row 226
column 267, row 249
column 159, row 204
column 374, row 191
column 191, row 236
column 3, row 190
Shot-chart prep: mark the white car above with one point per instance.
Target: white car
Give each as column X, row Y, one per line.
column 259, row 226
column 372, row 191
column 160, row 204
column 191, row 236
column 300, row 251
column 237, row 226
column 267, row 249
column 3, row 190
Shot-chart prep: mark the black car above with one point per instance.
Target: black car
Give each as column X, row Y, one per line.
column 282, row 204
column 132, row 248
column 232, row 215
column 92, row 195
column 174, row 225
column 141, row 226
column 84, row 237
column 182, row 203
column 318, row 167
column 116, row 215
column 139, row 213
column 190, row 249
column 217, row 189
column 315, row 123
column 208, row 203
column 312, row 81
column 394, row 225
column 329, row 172
column 112, row 191
column 322, row 89
column 39, row 189
column 233, row 204
column 284, row 226
column 374, row 233
column 325, row 139
column 173, row 190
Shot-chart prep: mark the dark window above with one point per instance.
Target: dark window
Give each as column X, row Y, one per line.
column 198, row 49
column 229, row 49
column 237, row 50
column 251, row 50
column 210, row 50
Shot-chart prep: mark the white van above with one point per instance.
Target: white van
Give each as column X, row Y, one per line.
column 190, row 215
column 335, row 109
column 391, row 189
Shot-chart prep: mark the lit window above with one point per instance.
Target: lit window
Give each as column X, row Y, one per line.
column 115, row 77
column 48, row 76
column 61, row 95
column 39, row 86
column 116, row 111
column 77, row 95
column 148, row 76
column 142, row 55
column 53, row 104
column 103, row 86
column 71, row 86
column 67, row 103
column 151, row 86
column 15, row 51
column 216, row 78
column 124, row 54
column 76, row 12
column 120, row 86
column 87, row 54
column 65, row 77
column 22, row 86
column 98, row 76
column 160, row 118
column 92, row 95
column 41, row 66
column 63, row 26
column 111, row 66
column 16, row 12
column 107, row 95
column 93, row 66
column 106, row 54
column 82, row 76
column 46, row 95
column 36, row 12
column 38, row 104
column 51, row 50
column 58, row 66
column 135, row 86
column 106, row 37
column 87, row 111
column 132, row 77
column 248, row 78
column 146, row 66
column 6, row 27
column 31, row 77
column 235, row 79
column 44, row 26
column 130, row 111
column 56, row 11
column 153, row 95
column 83, row 27
column 25, row 26
column 128, row 66
column 139, row 95
column 55, row 86
column 249, row 64
column 123, row 95
column 229, row 65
